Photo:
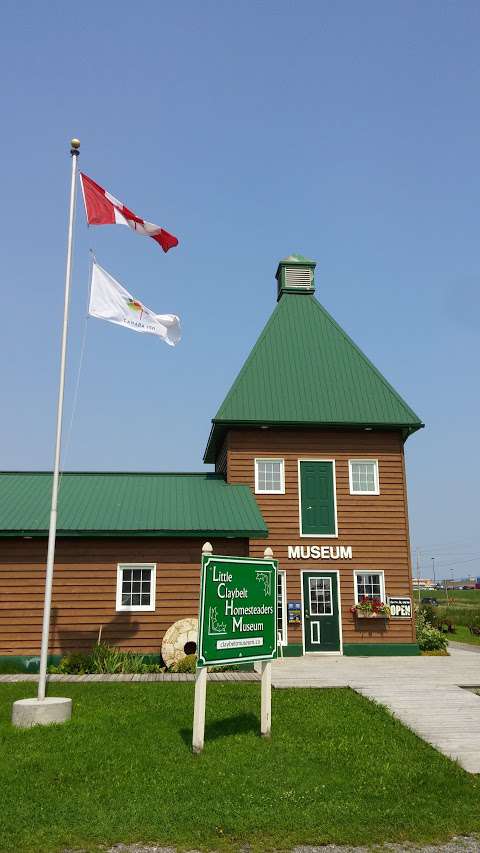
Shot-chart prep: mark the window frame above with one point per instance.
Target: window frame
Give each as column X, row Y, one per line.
column 375, row 491
column 379, row 572
column 136, row 608
column 283, row 638
column 281, row 490
column 299, row 480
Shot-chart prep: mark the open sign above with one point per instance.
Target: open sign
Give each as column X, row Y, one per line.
column 400, row 608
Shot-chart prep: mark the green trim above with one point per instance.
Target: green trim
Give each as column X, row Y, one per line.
column 292, row 650
column 380, row 649
column 25, row 663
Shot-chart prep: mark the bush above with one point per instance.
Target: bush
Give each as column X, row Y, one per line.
column 76, row 663
column 104, row 659
column 187, row 664
column 428, row 638
column 429, row 614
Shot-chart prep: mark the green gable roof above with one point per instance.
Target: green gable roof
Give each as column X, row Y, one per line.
column 129, row 505
column 304, row 370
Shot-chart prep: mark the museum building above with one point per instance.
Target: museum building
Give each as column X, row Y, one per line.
column 308, row 451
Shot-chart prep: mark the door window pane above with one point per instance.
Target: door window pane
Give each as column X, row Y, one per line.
column 320, row 596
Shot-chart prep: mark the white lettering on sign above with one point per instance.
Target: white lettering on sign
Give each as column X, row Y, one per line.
column 239, row 644
column 319, row 552
column 400, row 607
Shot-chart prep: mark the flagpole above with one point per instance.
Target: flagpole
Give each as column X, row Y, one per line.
column 52, row 532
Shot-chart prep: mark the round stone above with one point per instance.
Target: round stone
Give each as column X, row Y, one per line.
column 178, row 635
column 41, row 712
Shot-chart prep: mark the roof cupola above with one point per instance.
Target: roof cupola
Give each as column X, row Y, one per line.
column 295, row 275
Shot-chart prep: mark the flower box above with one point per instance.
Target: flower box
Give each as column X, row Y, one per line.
column 366, row 615
column 370, row 608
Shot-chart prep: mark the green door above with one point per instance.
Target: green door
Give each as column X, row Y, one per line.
column 321, row 628
column 317, row 498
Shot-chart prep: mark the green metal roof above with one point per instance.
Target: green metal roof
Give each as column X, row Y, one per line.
column 304, row 370
column 96, row 504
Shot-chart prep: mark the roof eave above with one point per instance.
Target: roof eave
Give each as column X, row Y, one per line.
column 219, row 428
column 251, row 533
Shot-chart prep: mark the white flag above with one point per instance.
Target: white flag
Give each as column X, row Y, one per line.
column 110, row 301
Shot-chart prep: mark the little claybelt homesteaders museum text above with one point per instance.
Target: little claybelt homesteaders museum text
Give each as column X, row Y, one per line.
column 308, row 455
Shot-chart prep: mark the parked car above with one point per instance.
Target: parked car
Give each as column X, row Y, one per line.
column 431, row 601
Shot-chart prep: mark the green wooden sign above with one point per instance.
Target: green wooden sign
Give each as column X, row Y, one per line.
column 238, row 610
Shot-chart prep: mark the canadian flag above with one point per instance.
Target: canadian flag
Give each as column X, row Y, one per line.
column 102, row 208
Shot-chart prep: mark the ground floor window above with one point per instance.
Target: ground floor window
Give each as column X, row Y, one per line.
column 136, row 586
column 282, row 608
column 369, row 585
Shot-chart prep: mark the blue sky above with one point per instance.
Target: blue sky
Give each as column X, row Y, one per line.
column 348, row 132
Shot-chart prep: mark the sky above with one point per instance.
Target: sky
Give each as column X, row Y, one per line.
column 347, row 132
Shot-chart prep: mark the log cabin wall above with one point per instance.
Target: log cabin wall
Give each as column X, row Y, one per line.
column 376, row 526
column 84, row 591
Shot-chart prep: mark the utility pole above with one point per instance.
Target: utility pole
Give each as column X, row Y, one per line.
column 433, row 570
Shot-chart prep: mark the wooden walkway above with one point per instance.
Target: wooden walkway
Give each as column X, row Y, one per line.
column 424, row 693
column 151, row 676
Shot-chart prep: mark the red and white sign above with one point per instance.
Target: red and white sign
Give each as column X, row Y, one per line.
column 102, row 208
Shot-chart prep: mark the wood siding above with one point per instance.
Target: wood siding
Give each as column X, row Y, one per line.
column 221, row 460
column 376, row 526
column 84, row 591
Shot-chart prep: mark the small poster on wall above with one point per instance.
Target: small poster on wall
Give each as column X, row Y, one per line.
column 294, row 612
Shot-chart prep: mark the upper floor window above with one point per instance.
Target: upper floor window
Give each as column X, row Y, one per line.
column 363, row 475
column 136, row 586
column 269, row 476
column 369, row 585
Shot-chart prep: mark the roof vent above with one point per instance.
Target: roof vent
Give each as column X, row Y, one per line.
column 295, row 275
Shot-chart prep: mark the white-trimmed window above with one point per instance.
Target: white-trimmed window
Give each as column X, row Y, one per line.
column 282, row 607
column 363, row 475
column 136, row 586
column 369, row 585
column 269, row 476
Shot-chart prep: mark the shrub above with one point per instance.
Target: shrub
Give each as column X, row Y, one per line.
column 428, row 638
column 76, row 663
column 429, row 614
column 187, row 664
column 104, row 659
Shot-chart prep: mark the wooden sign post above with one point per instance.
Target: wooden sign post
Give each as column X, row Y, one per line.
column 237, row 623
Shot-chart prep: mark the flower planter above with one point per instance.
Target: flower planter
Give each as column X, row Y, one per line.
column 360, row 615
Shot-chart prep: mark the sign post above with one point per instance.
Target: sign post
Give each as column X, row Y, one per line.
column 237, row 624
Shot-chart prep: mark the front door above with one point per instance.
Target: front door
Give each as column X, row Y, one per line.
column 321, row 618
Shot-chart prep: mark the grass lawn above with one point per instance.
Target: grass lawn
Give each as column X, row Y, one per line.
column 337, row 769
column 465, row 596
column 463, row 635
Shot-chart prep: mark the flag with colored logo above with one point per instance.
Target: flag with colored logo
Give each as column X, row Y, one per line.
column 110, row 301
column 102, row 208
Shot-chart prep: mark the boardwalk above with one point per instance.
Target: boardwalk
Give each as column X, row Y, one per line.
column 425, row 693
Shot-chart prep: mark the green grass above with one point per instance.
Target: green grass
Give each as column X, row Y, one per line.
column 337, row 769
column 463, row 635
column 466, row 596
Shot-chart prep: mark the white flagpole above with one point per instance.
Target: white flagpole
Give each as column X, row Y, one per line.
column 74, row 151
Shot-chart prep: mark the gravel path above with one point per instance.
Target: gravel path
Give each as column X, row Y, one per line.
column 458, row 844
